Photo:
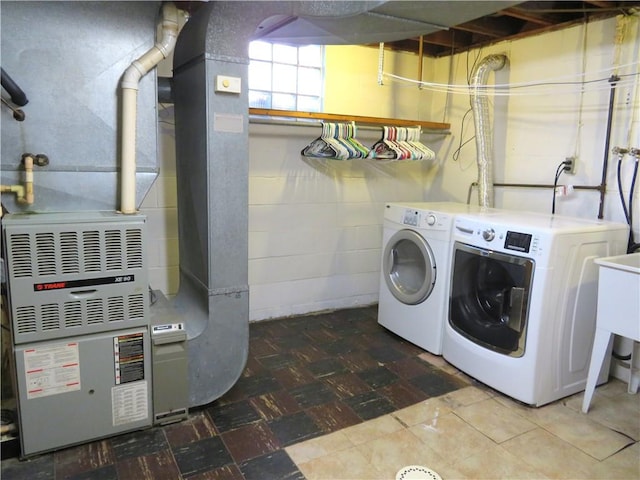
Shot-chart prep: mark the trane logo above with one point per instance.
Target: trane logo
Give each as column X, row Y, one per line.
column 50, row 286
column 86, row 282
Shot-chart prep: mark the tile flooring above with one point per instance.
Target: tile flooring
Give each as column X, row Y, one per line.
column 477, row 433
column 335, row 396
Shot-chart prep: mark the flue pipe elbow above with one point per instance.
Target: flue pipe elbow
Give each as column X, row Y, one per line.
column 129, row 84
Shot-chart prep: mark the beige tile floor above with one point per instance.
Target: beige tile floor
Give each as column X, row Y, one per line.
column 478, row 433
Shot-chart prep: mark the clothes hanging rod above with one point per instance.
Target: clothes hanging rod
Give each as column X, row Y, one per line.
column 375, row 121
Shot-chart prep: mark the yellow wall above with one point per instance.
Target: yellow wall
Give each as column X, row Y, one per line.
column 352, row 88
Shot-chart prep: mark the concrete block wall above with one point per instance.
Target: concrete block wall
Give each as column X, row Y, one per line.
column 314, row 225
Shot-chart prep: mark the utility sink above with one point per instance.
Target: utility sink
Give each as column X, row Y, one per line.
column 628, row 263
column 618, row 313
column 619, row 295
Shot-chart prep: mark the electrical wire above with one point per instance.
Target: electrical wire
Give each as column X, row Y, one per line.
column 517, row 89
column 627, row 209
column 632, row 243
column 620, row 192
column 633, row 246
column 559, row 171
column 456, row 153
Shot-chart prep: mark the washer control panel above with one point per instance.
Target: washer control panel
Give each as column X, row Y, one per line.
column 498, row 237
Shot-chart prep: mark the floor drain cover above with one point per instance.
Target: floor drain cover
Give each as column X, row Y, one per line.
column 416, row 472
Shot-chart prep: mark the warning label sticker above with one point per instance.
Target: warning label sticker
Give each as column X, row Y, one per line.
column 128, row 353
column 52, row 369
column 129, row 403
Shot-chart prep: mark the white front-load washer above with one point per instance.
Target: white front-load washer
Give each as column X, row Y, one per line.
column 414, row 275
column 523, row 295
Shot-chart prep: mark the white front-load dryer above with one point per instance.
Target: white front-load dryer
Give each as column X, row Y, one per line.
column 414, row 274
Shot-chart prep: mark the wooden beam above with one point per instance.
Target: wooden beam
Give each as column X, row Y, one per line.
column 488, row 26
column 333, row 117
column 448, row 38
column 602, row 4
column 527, row 16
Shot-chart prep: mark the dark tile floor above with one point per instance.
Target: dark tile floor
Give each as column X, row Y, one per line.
column 305, row 377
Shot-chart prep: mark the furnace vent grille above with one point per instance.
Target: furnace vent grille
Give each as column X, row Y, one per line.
column 61, row 253
column 69, row 278
column 78, row 314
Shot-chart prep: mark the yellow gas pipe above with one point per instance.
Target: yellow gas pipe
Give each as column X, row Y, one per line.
column 24, row 193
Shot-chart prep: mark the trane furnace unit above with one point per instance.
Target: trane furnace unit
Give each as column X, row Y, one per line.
column 79, row 314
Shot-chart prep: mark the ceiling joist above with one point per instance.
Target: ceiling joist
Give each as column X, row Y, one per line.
column 519, row 21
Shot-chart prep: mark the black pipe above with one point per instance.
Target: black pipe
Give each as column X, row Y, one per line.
column 165, row 90
column 605, row 163
column 17, row 95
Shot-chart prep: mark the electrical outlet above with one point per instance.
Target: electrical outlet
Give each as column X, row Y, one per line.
column 570, row 165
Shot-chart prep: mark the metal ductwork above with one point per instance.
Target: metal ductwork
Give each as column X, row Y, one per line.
column 69, row 57
column 482, row 120
column 375, row 22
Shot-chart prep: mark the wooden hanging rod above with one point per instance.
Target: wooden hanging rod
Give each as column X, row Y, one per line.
column 349, row 118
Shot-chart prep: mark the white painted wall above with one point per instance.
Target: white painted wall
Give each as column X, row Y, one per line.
column 534, row 133
column 315, row 228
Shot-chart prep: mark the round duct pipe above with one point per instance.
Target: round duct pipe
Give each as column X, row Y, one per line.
column 484, row 134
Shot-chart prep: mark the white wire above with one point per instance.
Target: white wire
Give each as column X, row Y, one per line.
column 541, row 87
column 634, row 66
column 498, row 88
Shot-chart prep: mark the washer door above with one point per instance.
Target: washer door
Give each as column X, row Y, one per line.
column 409, row 267
column 490, row 294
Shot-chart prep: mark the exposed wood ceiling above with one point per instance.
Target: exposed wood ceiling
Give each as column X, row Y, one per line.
column 522, row 20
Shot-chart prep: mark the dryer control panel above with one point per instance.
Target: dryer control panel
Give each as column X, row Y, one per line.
column 426, row 219
column 411, row 217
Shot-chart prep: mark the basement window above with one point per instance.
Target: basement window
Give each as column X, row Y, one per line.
column 285, row 77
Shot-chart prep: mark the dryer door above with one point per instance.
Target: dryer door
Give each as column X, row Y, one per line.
column 489, row 298
column 409, row 267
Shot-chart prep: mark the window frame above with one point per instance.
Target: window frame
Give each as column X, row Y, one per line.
column 296, row 93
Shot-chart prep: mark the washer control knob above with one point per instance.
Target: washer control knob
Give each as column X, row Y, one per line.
column 431, row 219
column 489, row 234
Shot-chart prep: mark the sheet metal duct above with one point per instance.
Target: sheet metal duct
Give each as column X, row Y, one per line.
column 384, row 22
column 68, row 58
